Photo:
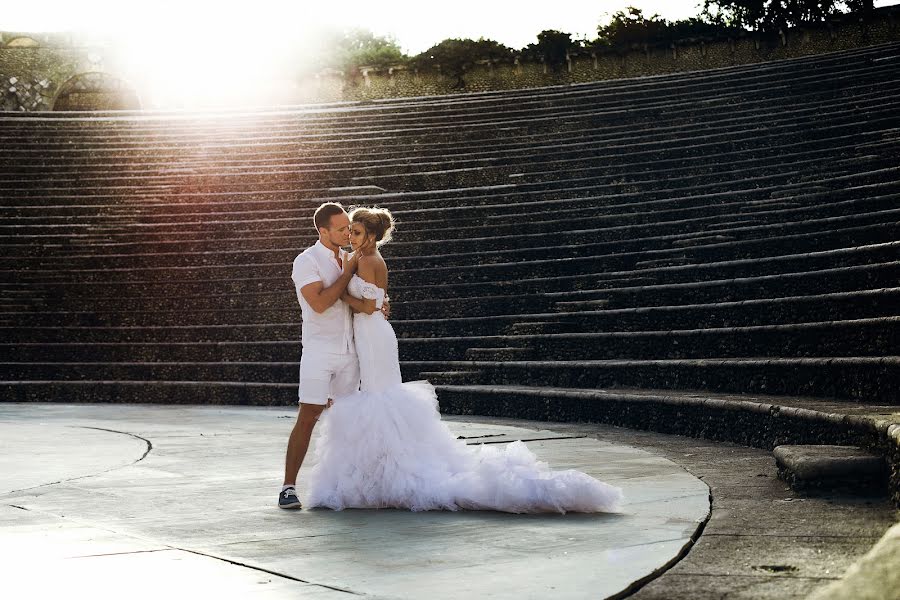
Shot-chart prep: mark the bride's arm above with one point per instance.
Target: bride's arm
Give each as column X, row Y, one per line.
column 366, row 272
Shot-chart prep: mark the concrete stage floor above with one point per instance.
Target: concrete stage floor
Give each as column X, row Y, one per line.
column 148, row 501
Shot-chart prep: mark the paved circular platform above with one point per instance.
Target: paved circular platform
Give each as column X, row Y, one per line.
column 156, row 501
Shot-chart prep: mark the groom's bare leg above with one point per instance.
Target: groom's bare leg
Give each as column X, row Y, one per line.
column 298, row 443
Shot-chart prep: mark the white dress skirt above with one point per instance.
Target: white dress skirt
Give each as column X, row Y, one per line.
column 386, row 446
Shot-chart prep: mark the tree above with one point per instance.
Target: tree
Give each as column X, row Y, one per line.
column 456, row 56
column 629, row 29
column 351, row 49
column 553, row 47
column 771, row 15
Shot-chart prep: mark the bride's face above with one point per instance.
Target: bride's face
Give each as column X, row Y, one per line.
column 359, row 238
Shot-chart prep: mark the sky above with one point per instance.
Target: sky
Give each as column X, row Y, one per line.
column 416, row 24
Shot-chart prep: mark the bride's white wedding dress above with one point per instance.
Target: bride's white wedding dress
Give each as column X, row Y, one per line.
column 386, row 446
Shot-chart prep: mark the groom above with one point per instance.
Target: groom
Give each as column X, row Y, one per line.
column 329, row 367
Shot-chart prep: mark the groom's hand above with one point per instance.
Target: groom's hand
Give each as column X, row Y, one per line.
column 386, row 309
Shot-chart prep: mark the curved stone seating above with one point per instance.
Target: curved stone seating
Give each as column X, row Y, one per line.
column 724, row 232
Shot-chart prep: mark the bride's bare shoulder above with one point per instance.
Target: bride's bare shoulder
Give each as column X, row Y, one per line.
column 374, row 261
column 373, row 269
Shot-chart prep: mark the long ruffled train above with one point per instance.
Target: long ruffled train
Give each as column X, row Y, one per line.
column 390, row 448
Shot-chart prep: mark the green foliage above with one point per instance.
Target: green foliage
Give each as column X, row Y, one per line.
column 771, row 15
column 456, row 56
column 354, row 48
column 629, row 29
column 554, row 46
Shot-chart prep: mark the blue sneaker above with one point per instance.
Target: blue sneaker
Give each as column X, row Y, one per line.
column 288, row 499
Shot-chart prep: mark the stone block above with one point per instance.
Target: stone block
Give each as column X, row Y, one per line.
column 806, row 467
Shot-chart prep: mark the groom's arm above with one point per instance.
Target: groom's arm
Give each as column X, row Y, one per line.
column 321, row 298
column 363, row 305
column 309, row 285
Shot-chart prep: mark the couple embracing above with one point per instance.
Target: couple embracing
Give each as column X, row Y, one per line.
column 382, row 442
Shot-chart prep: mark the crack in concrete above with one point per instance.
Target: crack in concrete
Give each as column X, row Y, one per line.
column 276, row 539
column 168, row 547
column 270, row 572
column 761, row 576
column 134, row 435
column 635, row 586
column 120, row 553
column 143, row 456
column 544, row 439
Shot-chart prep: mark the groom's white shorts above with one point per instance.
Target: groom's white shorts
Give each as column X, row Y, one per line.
column 324, row 375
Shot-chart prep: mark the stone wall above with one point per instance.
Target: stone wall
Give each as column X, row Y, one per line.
column 586, row 68
column 30, row 77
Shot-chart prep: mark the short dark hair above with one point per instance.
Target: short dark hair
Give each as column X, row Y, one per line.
column 322, row 217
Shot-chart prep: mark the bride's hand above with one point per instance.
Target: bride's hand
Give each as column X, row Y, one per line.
column 351, row 263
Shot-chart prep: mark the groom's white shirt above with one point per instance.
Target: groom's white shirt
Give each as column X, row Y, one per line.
column 332, row 330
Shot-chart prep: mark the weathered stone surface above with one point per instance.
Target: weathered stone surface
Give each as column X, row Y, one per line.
column 815, row 466
column 762, row 541
column 876, row 576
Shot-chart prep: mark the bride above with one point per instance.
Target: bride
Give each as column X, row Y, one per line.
column 386, row 446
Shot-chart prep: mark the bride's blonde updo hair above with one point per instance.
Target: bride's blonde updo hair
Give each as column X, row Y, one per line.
column 378, row 221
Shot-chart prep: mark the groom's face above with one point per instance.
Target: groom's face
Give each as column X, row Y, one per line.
column 338, row 231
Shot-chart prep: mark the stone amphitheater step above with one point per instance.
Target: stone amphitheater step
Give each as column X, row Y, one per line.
column 803, row 231
column 742, row 286
column 152, row 391
column 581, row 126
column 393, row 128
column 556, row 184
column 669, row 192
column 861, row 208
column 499, row 353
column 856, row 338
column 863, row 379
column 676, row 166
column 860, row 379
column 621, row 259
column 653, row 238
column 486, row 326
column 750, row 419
column 802, row 283
column 880, row 302
column 463, row 278
column 850, row 149
column 576, row 158
column 805, row 81
column 179, row 167
column 818, row 466
column 198, row 371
